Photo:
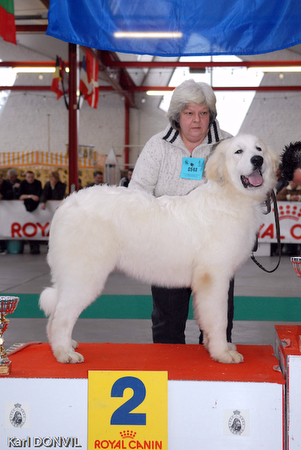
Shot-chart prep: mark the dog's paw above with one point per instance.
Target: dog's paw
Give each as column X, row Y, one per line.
column 74, row 343
column 229, row 357
column 71, row 357
column 231, row 346
column 236, row 357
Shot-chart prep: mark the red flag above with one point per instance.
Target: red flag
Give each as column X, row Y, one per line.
column 92, row 75
column 83, row 82
column 7, row 21
column 57, row 80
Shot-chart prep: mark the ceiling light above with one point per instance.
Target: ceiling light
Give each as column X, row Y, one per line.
column 33, row 69
column 160, row 93
column 148, row 34
column 276, row 69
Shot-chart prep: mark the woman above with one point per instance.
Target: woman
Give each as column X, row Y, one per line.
column 54, row 189
column 162, row 169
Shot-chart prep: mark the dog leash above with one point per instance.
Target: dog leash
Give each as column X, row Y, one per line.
column 277, row 232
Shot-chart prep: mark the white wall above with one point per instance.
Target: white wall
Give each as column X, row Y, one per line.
column 145, row 121
column 25, row 117
column 24, row 121
column 275, row 116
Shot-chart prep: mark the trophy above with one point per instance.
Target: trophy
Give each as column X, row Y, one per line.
column 296, row 261
column 7, row 306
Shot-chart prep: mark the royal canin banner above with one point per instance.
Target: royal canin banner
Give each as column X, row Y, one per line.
column 290, row 224
column 17, row 223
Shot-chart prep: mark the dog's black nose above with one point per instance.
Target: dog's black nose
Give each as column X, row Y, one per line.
column 257, row 161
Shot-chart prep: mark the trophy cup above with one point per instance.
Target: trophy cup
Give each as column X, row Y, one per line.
column 7, row 306
column 296, row 261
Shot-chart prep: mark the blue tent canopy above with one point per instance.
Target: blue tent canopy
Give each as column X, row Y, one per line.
column 197, row 27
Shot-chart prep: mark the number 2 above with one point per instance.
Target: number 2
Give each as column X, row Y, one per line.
column 123, row 415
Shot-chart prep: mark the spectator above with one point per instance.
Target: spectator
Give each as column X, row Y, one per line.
column 14, row 182
column 290, row 193
column 125, row 180
column 290, row 165
column 6, row 191
column 98, row 179
column 54, row 189
column 30, row 193
column 288, row 187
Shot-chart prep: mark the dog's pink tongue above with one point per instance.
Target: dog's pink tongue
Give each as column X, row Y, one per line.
column 255, row 178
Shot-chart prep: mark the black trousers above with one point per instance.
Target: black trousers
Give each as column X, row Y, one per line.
column 170, row 313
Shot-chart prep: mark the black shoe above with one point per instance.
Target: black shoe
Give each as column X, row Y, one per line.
column 35, row 249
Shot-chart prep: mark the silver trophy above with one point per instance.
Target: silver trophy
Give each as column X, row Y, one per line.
column 296, row 261
column 7, row 306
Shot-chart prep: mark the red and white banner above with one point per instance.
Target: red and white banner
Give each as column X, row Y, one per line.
column 290, row 224
column 17, row 223
column 89, row 80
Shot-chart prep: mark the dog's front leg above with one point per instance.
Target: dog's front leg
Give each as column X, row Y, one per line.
column 210, row 294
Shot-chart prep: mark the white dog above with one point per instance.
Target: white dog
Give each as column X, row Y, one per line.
column 197, row 240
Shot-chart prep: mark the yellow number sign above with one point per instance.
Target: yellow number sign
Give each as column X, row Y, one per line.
column 127, row 410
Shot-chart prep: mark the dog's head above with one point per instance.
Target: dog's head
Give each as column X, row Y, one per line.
column 246, row 163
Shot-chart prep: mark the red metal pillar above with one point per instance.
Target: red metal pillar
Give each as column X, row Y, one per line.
column 73, row 117
column 126, row 133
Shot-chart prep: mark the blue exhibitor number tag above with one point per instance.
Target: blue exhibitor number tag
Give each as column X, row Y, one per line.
column 192, row 168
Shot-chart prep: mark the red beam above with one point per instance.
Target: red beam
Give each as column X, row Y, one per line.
column 73, row 118
column 25, row 88
column 154, row 64
column 163, row 88
column 29, row 63
column 126, row 133
column 157, row 64
column 31, row 28
column 222, row 88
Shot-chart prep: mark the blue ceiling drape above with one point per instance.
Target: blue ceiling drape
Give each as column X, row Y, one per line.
column 233, row 27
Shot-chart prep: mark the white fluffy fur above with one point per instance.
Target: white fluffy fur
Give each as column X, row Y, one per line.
column 197, row 240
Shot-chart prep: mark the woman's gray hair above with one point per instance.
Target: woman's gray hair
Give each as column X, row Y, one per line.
column 190, row 91
column 12, row 172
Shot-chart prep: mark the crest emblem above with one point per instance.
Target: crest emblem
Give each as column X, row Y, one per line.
column 236, row 423
column 17, row 416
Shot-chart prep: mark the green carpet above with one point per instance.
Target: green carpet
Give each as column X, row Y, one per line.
column 286, row 309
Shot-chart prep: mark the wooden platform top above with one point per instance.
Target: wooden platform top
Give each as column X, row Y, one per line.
column 182, row 362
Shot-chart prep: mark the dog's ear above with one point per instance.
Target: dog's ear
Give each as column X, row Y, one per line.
column 215, row 165
column 275, row 159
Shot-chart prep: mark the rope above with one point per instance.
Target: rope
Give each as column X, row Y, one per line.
column 278, row 237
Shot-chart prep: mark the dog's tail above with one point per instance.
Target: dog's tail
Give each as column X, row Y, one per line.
column 48, row 300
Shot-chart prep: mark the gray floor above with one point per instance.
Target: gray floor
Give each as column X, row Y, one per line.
column 25, row 273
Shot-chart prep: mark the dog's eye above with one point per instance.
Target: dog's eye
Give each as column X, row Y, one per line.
column 238, row 152
column 259, row 149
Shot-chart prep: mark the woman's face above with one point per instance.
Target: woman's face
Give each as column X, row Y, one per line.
column 297, row 177
column 194, row 123
column 29, row 177
column 52, row 180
